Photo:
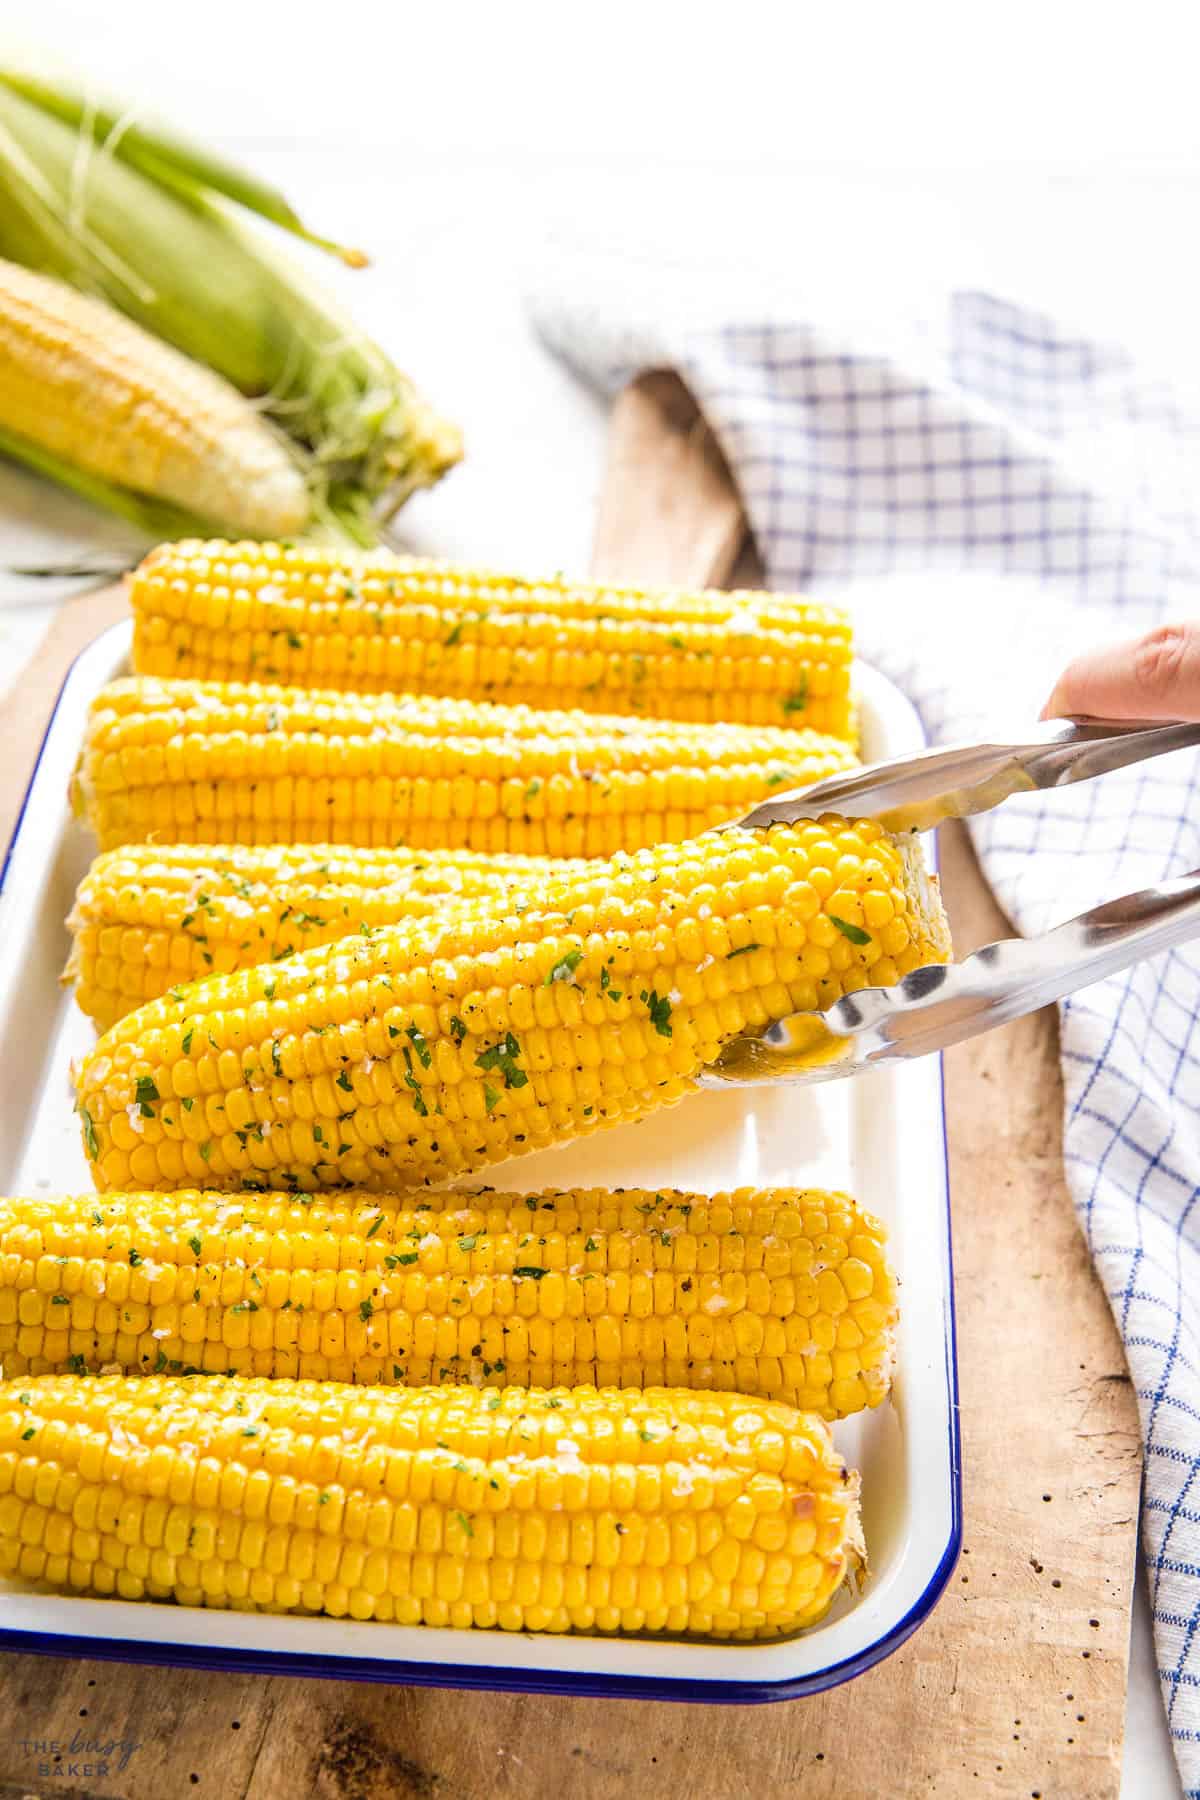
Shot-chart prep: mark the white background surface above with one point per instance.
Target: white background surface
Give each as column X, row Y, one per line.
column 1054, row 151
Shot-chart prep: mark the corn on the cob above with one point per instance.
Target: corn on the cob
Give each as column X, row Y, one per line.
column 128, row 214
column 98, row 393
column 570, row 1510
column 374, row 622
column 212, row 762
column 150, row 917
column 781, row 1293
column 434, row 1047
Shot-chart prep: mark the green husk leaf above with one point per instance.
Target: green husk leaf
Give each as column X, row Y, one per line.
column 167, row 156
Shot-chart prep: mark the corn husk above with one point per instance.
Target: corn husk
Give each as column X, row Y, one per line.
column 138, row 217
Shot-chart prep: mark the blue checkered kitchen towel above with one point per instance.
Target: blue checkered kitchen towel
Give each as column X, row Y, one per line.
column 989, row 492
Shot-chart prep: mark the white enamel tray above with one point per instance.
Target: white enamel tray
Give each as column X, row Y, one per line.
column 881, row 1136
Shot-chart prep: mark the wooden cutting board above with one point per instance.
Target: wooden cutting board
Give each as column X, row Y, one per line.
column 1015, row 1686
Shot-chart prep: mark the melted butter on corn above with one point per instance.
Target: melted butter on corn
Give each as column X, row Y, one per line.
column 568, row 1510
column 372, row 622
column 148, row 918
column 778, row 1292
column 434, row 1047
column 211, row 762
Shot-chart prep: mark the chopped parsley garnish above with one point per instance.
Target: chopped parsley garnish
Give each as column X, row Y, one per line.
column 742, row 950
column 458, row 1030
column 529, row 1273
column 365, row 1309
column 424, row 1054
column 660, row 1013
column 91, row 1141
column 188, row 1035
column 344, row 1082
column 503, row 1058
column 797, row 700
column 195, row 1245
column 144, row 1092
column 469, row 1242
column 375, row 1224
column 491, row 1097
column 564, row 968
column 855, row 933
column 134, row 1258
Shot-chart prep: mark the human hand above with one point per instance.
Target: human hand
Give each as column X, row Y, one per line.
column 1152, row 677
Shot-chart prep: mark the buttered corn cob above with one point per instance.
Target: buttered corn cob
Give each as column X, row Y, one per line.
column 571, row 1510
column 434, row 1047
column 92, row 399
column 780, row 1293
column 375, row 622
column 197, row 762
column 149, row 917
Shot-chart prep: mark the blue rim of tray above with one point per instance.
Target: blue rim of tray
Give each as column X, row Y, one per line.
column 502, row 1678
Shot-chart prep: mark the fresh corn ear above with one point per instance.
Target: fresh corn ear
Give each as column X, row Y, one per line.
column 146, row 224
column 373, row 623
column 150, row 917
column 780, row 1293
column 213, row 762
column 433, row 1047
column 571, row 1510
column 98, row 402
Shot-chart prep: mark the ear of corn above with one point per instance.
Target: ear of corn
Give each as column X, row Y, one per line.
column 181, row 265
column 434, row 1047
column 210, row 762
column 779, row 1293
column 572, row 1510
column 150, row 917
column 372, row 623
column 81, row 387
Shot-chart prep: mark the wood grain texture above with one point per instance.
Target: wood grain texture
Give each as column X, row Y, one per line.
column 669, row 511
column 1015, row 1686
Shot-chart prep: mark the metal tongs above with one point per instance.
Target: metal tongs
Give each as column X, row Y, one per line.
column 941, row 1004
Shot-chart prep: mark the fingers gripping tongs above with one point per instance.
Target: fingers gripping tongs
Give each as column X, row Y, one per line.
column 941, row 1004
